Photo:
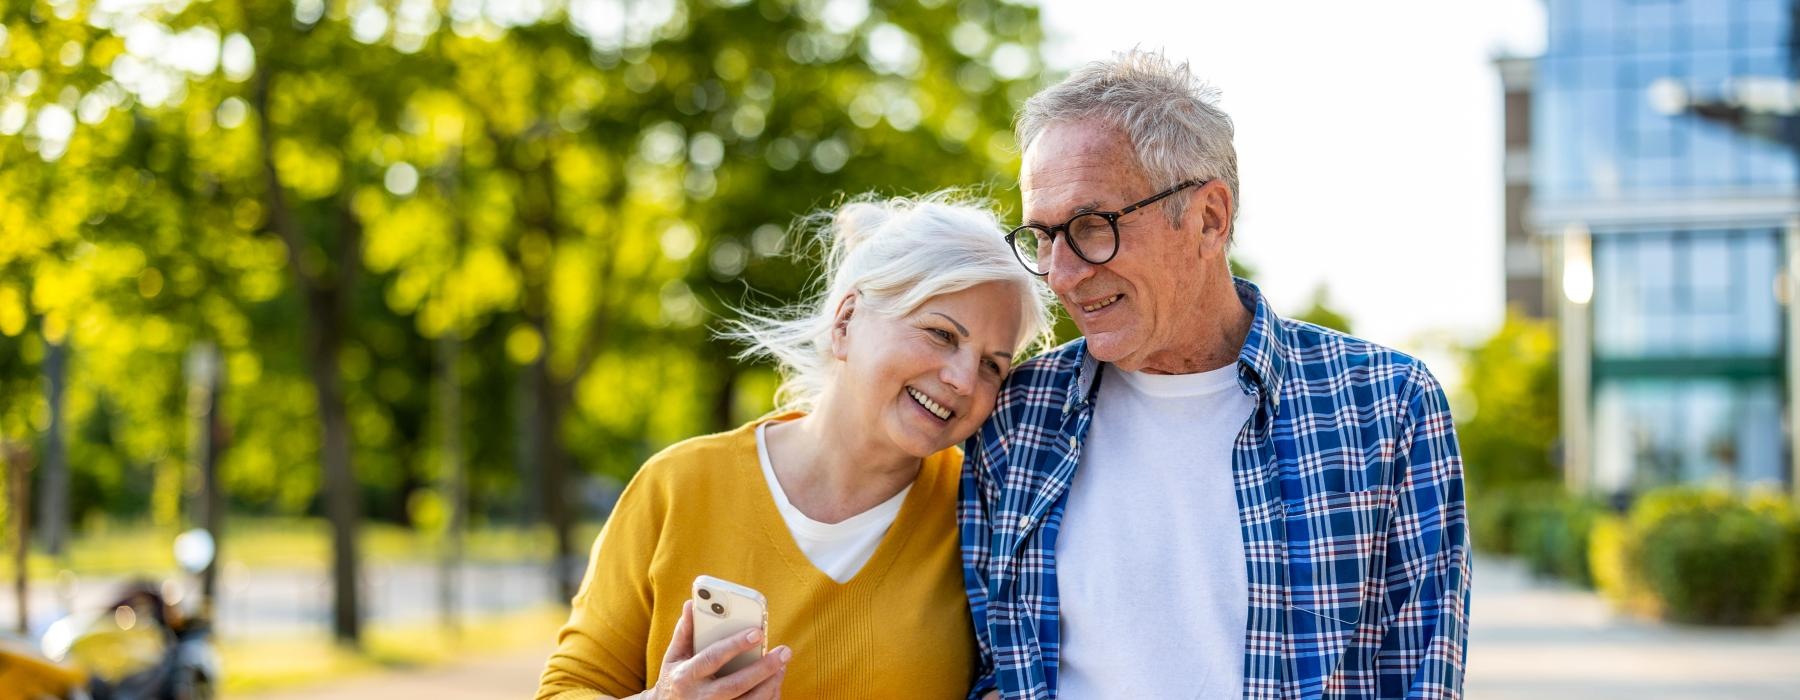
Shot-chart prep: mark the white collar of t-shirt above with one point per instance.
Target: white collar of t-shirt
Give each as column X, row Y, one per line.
column 1177, row 386
column 839, row 549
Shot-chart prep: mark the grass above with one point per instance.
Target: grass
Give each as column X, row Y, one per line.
column 258, row 665
column 118, row 549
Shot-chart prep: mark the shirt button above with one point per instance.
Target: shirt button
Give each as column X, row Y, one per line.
column 1024, row 520
column 1072, row 443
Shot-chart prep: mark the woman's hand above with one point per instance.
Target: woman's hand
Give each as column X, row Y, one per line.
column 689, row 676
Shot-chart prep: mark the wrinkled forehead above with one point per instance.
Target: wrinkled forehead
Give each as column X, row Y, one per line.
column 1075, row 167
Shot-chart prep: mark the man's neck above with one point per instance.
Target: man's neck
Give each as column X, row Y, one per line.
column 1217, row 337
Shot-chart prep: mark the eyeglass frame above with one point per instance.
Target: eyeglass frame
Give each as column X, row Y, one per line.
column 1111, row 217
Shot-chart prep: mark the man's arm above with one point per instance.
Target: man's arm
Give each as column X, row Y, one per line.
column 972, row 520
column 1424, row 652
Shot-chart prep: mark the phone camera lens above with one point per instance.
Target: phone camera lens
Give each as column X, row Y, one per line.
column 705, row 594
column 718, row 609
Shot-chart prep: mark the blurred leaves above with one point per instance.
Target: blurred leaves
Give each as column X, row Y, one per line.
column 1509, row 426
column 593, row 184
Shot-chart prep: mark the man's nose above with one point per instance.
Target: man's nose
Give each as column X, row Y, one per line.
column 1065, row 269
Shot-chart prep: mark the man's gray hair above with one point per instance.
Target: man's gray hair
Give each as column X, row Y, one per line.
column 1176, row 128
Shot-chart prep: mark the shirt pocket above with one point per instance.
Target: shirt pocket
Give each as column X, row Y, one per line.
column 1336, row 546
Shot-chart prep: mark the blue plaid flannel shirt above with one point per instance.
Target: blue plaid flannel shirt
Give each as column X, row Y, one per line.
column 1350, row 495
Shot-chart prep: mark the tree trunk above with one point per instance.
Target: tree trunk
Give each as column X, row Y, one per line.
column 53, row 524
column 324, row 339
column 208, row 439
column 552, row 399
column 18, row 463
column 324, row 310
column 724, row 402
column 450, row 432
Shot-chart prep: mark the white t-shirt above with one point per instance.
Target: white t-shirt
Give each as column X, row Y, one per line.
column 1150, row 558
column 839, row 549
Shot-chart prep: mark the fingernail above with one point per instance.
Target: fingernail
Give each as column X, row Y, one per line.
column 753, row 636
column 785, row 654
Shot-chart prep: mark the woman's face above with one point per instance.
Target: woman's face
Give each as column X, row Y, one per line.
column 927, row 380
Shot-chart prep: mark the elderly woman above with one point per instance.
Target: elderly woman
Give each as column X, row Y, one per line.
column 840, row 507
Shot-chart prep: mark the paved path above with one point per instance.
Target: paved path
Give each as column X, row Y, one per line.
column 502, row 676
column 1540, row 641
column 298, row 601
column 1530, row 640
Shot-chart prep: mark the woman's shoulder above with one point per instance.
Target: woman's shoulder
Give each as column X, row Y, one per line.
column 701, row 457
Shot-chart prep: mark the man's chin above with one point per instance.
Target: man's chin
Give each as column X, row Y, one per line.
column 1108, row 346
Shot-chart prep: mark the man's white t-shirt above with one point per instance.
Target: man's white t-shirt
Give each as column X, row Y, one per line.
column 839, row 549
column 1150, row 565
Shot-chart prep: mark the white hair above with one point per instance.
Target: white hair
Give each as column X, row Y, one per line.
column 896, row 254
column 1176, row 128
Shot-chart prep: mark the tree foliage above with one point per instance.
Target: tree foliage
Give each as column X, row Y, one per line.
column 1510, row 381
column 576, row 192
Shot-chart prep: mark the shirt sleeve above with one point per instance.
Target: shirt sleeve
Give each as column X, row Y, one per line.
column 601, row 650
column 972, row 520
column 1424, row 651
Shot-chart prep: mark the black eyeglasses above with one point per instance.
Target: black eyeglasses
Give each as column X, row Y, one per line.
column 1093, row 235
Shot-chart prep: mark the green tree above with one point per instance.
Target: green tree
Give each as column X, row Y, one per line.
column 549, row 208
column 1508, row 435
column 1321, row 312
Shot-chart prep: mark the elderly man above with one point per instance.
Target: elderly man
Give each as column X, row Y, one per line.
column 1198, row 498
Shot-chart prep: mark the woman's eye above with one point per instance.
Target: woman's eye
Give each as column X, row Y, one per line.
column 943, row 335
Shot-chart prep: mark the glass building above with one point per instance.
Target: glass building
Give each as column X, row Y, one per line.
column 1664, row 192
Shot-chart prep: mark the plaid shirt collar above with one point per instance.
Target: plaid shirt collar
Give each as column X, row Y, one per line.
column 1262, row 361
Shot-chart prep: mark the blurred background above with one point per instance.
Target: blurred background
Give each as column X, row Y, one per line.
column 389, row 298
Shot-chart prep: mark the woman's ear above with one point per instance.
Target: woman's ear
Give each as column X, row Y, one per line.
column 840, row 327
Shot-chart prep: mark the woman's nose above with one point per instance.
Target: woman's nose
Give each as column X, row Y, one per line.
column 959, row 373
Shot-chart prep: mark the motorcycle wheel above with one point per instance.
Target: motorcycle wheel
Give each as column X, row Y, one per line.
column 191, row 684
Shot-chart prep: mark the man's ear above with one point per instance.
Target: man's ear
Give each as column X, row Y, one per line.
column 840, row 327
column 1210, row 210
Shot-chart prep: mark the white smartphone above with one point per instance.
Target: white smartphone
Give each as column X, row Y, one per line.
column 723, row 609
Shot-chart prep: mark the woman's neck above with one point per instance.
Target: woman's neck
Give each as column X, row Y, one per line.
column 832, row 469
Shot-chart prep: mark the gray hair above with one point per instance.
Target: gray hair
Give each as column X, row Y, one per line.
column 1176, row 128
column 897, row 254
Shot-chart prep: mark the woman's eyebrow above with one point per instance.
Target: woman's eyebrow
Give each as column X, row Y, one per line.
column 959, row 327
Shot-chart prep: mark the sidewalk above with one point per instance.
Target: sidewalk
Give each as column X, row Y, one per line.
column 510, row 675
column 1532, row 640
column 1529, row 640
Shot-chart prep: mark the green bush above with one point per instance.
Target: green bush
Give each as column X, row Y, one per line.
column 1696, row 555
column 1777, row 505
column 1613, row 563
column 1497, row 514
column 1553, row 537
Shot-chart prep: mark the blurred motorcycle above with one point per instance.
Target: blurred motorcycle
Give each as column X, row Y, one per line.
column 142, row 647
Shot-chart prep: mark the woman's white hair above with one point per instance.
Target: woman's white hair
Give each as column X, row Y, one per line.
column 896, row 254
column 1176, row 128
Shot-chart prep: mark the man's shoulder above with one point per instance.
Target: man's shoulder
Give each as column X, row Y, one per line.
column 1323, row 357
column 1048, row 373
column 1062, row 358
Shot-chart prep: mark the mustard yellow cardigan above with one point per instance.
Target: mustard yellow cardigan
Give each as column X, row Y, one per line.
column 899, row 629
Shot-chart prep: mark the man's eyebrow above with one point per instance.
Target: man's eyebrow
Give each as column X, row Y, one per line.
column 1085, row 207
column 1003, row 355
column 959, row 327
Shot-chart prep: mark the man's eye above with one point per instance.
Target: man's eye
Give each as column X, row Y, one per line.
column 993, row 366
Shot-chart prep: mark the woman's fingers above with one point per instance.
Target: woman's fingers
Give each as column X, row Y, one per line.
column 741, row 683
column 769, row 689
column 681, row 644
column 708, row 661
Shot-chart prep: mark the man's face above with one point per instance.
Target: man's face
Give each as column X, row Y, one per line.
column 1135, row 308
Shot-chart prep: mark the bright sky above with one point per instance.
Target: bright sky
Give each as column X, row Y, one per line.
column 1368, row 140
